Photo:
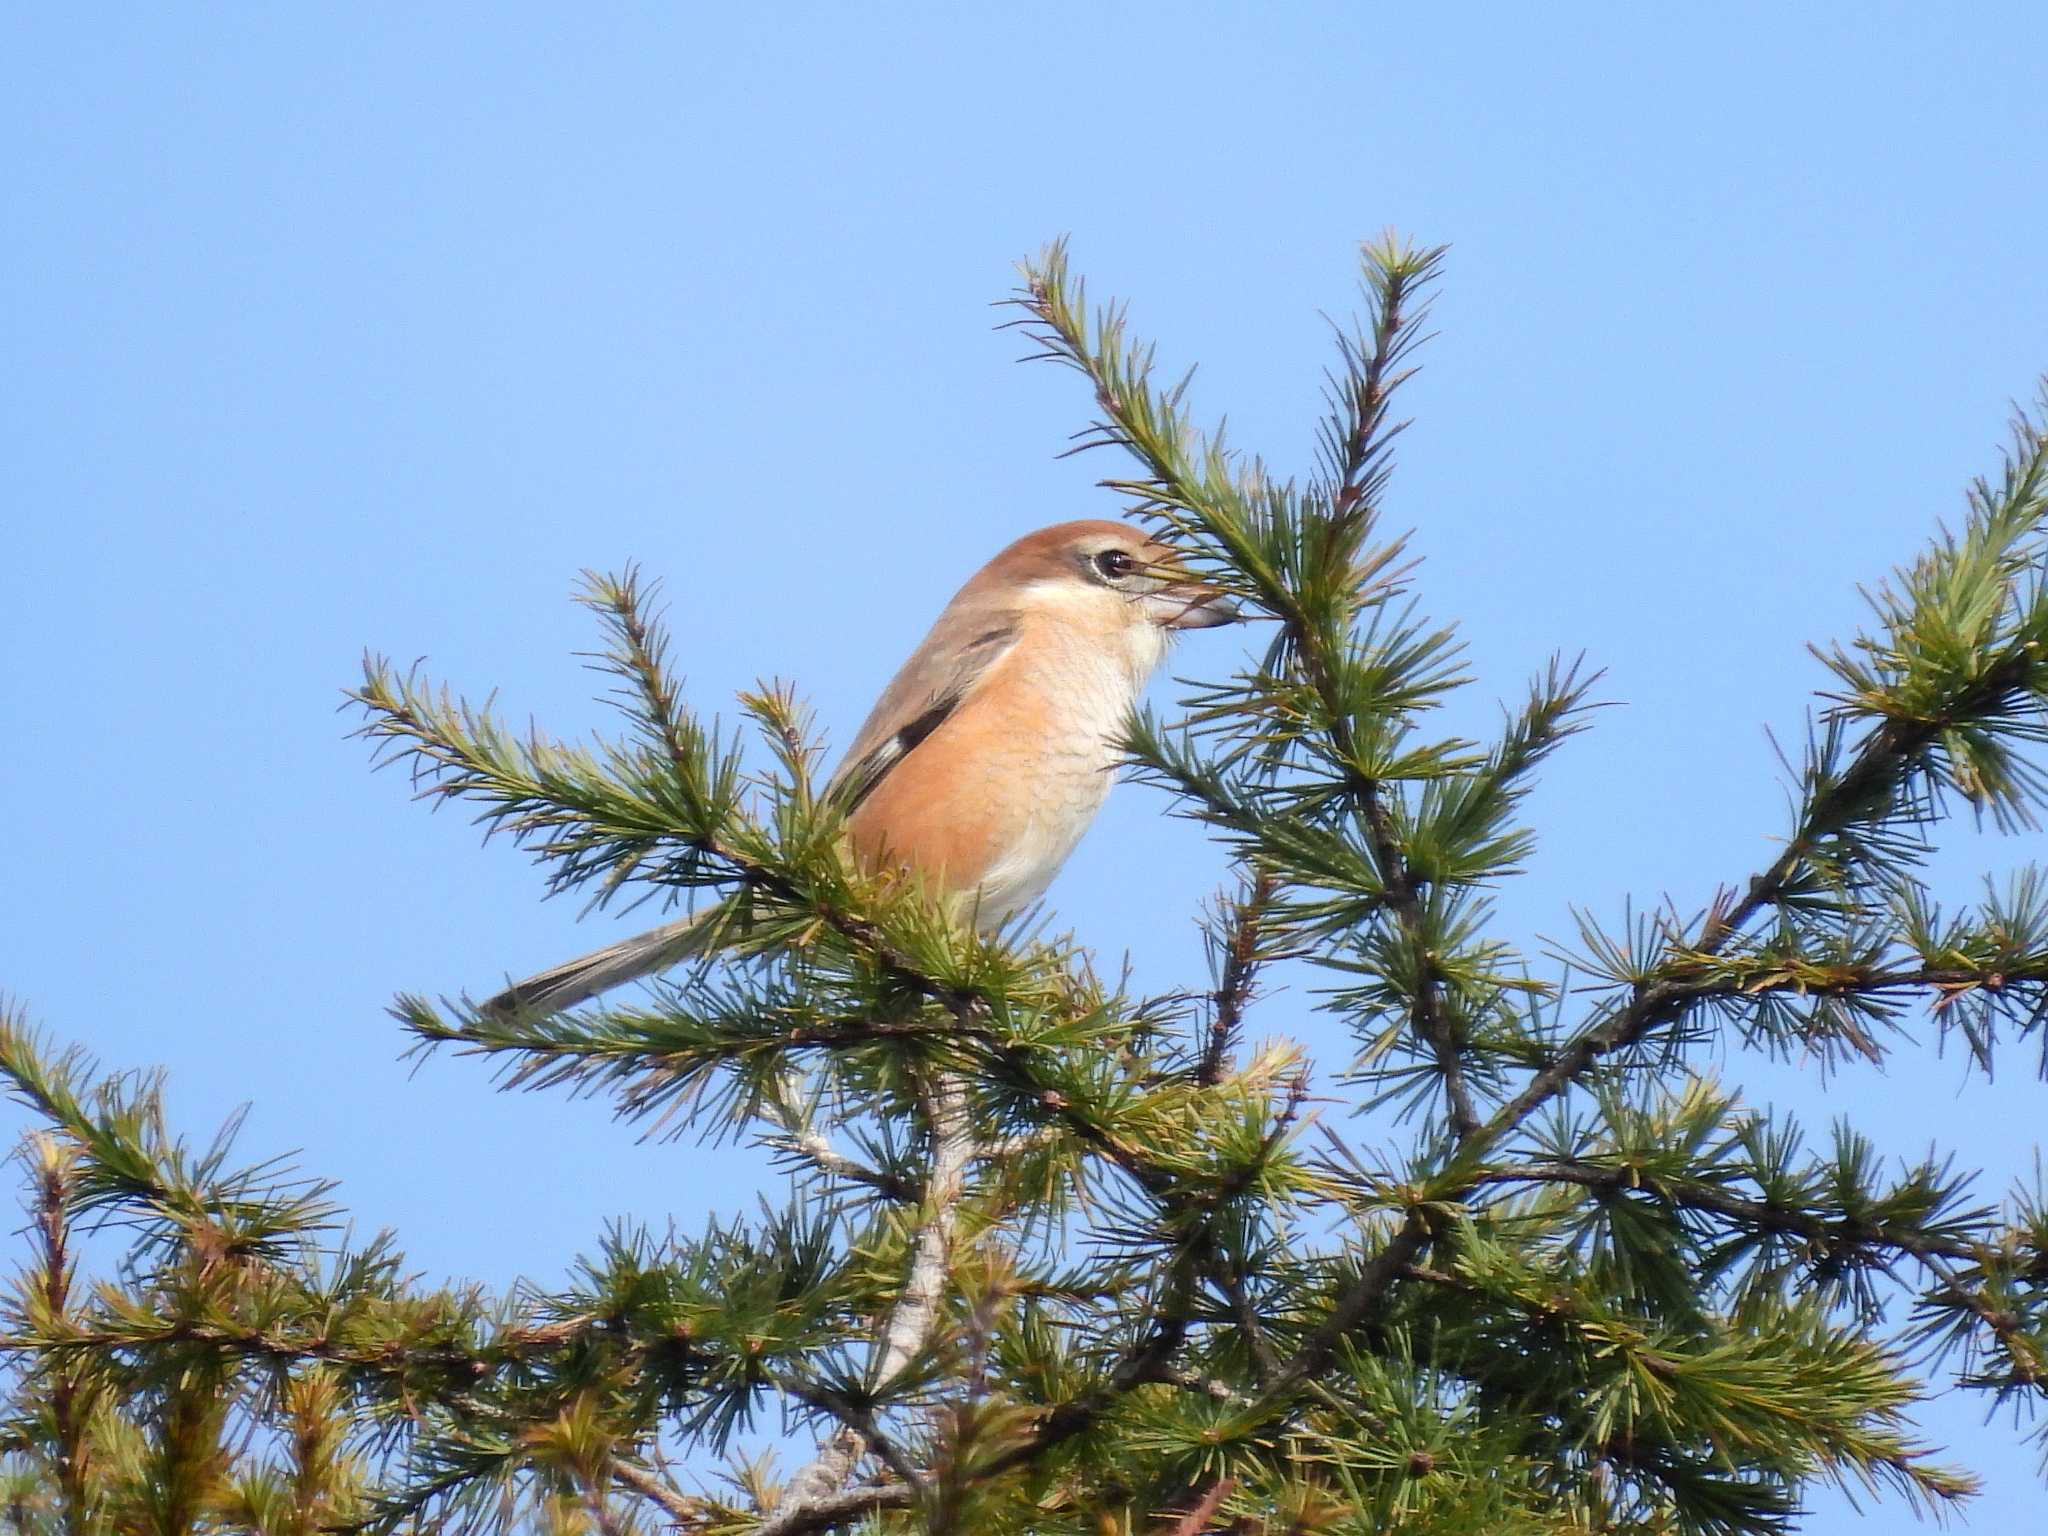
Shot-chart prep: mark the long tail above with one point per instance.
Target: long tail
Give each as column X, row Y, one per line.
column 579, row 980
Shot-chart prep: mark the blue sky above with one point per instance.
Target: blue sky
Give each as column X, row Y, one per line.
column 328, row 328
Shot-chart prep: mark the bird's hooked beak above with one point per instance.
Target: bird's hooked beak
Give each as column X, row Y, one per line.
column 1190, row 604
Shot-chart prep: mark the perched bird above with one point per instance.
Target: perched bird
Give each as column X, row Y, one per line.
column 990, row 752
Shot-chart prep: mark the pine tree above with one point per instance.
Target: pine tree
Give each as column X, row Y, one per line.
column 1057, row 1258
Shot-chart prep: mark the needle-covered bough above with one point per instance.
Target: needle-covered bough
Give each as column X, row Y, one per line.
column 1059, row 1258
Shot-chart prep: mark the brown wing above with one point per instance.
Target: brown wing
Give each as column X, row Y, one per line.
column 967, row 640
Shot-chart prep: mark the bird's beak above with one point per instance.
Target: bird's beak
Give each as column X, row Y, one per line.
column 1193, row 605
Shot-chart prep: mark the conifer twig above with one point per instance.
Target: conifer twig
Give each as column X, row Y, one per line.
column 1197, row 1518
column 1189, row 482
column 52, row 1163
column 909, row 1325
column 814, row 1148
column 1886, row 758
column 1239, row 973
column 677, row 1505
column 1828, row 1233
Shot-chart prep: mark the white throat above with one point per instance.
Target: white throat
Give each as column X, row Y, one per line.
column 1090, row 681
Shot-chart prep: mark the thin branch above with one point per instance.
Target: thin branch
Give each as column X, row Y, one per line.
column 1196, row 1520
column 860, row 1421
column 1829, row 1233
column 799, row 1139
column 52, row 1161
column 678, row 1505
column 1357, row 435
column 2008, row 1327
column 528, row 802
column 1891, row 753
column 1150, row 1362
column 1886, row 758
column 1265, row 1364
column 1156, row 433
column 1405, row 898
column 911, row 1321
column 1364, row 397
column 598, row 1506
column 1357, row 1303
column 1212, row 1387
column 462, row 1364
column 1022, row 1145
column 830, row 1510
column 641, row 660
column 1241, row 957
column 815, row 1149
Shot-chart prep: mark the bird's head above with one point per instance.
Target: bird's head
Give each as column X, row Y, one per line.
column 1105, row 578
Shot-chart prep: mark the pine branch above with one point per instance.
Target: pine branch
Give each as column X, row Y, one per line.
column 1356, row 436
column 914, row 1317
column 1871, row 788
column 1147, row 1364
column 815, row 1149
column 678, row 1506
column 1196, row 1519
column 832, row 1510
column 1192, row 486
column 1241, row 946
column 638, row 656
column 54, row 1166
column 1885, row 762
column 131, row 1169
column 1831, row 1236
column 2026, row 1354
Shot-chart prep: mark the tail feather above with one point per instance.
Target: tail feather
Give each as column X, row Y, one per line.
column 579, row 980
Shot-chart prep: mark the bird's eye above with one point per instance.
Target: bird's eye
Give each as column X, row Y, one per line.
column 1115, row 564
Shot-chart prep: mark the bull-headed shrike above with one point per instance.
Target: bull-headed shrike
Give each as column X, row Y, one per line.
column 992, row 749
